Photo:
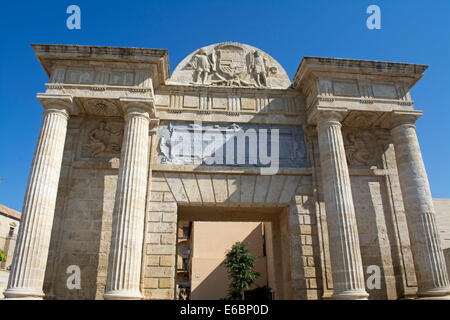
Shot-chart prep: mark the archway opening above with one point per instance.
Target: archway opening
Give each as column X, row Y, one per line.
column 204, row 234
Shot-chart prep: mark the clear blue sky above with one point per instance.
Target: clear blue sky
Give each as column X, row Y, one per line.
column 412, row 31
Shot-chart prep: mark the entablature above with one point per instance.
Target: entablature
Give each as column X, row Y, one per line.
column 96, row 65
column 358, row 85
column 209, row 101
column 99, row 78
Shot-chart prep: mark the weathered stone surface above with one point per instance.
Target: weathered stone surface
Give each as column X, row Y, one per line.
column 128, row 231
column 359, row 199
column 28, row 266
column 348, row 278
column 420, row 215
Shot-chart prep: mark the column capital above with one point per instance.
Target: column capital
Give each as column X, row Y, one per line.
column 397, row 118
column 321, row 114
column 143, row 106
column 61, row 103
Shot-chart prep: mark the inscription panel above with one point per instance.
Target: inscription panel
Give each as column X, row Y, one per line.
column 231, row 145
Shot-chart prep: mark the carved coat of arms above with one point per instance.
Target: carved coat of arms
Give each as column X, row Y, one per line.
column 230, row 65
column 231, row 61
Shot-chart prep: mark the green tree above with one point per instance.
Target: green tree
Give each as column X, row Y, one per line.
column 240, row 266
column 2, row 256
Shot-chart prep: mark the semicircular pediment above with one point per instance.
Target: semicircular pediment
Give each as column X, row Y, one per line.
column 230, row 64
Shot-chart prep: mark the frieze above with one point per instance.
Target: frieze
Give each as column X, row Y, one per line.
column 102, row 77
column 202, row 102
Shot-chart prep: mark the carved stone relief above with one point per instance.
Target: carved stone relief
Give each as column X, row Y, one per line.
column 357, row 119
column 101, row 107
column 360, row 148
column 230, row 64
column 102, row 139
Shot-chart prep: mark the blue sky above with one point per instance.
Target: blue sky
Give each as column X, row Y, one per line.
column 411, row 31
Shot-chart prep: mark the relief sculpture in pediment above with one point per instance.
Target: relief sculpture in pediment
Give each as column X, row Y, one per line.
column 203, row 66
column 230, row 64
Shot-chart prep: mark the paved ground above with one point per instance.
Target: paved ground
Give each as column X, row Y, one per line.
column 3, row 281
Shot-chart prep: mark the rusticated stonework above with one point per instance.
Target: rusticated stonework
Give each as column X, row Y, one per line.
column 118, row 163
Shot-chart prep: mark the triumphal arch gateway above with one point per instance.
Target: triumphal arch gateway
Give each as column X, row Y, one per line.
column 330, row 159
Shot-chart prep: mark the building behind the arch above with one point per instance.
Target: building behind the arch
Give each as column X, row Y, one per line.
column 119, row 162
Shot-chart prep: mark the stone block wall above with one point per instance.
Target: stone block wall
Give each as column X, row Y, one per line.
column 160, row 241
column 82, row 226
column 442, row 207
column 381, row 222
column 292, row 227
column 401, row 247
column 81, row 233
column 376, row 232
column 304, row 246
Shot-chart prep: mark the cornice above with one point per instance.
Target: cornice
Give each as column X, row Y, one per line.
column 365, row 67
column 51, row 52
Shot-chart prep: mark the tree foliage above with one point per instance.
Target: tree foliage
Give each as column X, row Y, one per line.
column 2, row 256
column 240, row 266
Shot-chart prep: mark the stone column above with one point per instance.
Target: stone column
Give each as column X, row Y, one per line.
column 346, row 263
column 428, row 256
column 124, row 269
column 30, row 255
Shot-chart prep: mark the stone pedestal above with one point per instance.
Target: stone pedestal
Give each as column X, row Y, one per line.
column 346, row 264
column 30, row 256
column 428, row 256
column 124, row 270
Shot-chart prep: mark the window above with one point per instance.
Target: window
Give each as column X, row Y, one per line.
column 264, row 244
column 185, row 232
column 11, row 232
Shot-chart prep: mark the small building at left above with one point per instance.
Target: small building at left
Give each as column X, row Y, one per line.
column 9, row 224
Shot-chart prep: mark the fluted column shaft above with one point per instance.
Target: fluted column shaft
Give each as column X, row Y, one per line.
column 420, row 215
column 30, row 255
column 346, row 263
column 124, row 268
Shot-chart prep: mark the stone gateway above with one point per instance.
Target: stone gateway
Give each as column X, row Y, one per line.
column 126, row 151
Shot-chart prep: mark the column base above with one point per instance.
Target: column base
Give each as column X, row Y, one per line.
column 435, row 294
column 122, row 295
column 23, row 294
column 351, row 295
